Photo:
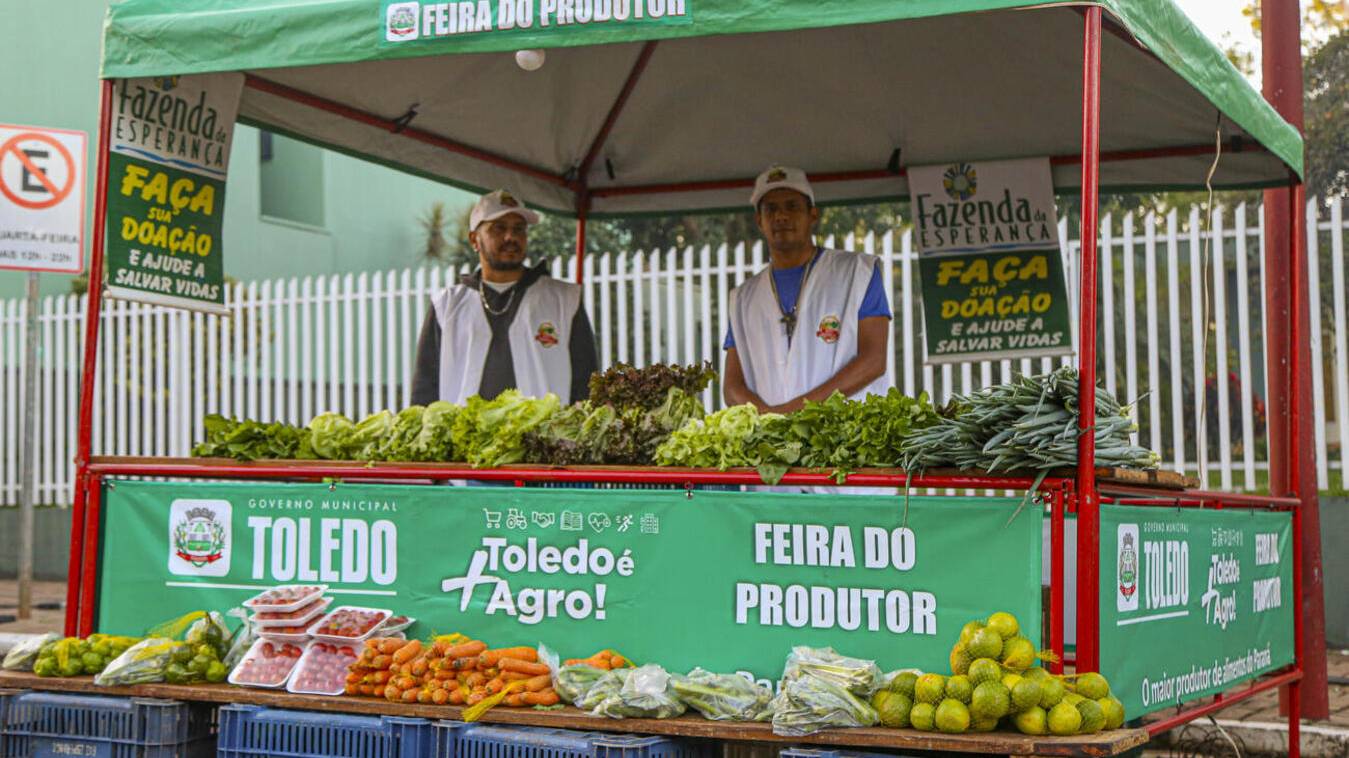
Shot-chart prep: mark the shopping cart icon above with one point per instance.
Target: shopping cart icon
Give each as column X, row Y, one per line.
column 493, row 518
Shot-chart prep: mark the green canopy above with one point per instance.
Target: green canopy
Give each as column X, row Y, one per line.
column 847, row 88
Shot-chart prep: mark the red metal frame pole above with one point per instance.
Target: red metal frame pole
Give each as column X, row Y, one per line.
column 1292, row 466
column 1088, row 499
column 89, row 373
column 1058, row 504
column 582, row 217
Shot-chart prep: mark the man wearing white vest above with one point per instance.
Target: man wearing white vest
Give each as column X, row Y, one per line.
column 504, row 326
column 815, row 321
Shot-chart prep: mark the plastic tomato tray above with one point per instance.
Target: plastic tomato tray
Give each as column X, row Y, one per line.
column 316, row 592
column 251, row 731
column 53, row 724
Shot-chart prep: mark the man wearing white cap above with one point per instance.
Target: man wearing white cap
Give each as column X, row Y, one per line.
column 815, row 321
column 504, row 326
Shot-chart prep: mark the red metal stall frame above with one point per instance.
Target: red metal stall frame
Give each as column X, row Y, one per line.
column 1080, row 494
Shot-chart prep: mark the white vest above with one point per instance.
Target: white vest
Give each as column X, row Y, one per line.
column 540, row 338
column 826, row 328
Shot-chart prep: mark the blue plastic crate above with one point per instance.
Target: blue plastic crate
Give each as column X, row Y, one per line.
column 494, row 741
column 251, row 731
column 802, row 752
column 40, row 724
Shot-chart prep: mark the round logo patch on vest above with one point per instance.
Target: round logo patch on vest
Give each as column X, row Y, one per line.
column 828, row 331
column 546, row 335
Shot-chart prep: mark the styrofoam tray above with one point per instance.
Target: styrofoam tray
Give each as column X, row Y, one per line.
column 310, row 658
column 319, row 606
column 313, row 629
column 255, row 652
column 256, row 603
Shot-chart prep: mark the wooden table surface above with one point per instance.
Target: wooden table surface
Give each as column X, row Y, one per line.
column 1006, row 743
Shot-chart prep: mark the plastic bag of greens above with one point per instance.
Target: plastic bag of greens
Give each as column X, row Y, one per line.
column 722, row 697
column 608, row 684
column 645, row 694
column 22, row 656
column 243, row 638
column 210, row 630
column 144, row 662
column 858, row 676
column 808, row 704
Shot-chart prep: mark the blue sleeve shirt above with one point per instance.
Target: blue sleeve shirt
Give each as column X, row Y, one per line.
column 874, row 302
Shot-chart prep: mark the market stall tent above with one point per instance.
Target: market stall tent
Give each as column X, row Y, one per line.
column 677, row 107
column 634, row 117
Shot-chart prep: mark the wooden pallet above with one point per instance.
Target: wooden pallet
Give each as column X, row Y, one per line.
column 1004, row 743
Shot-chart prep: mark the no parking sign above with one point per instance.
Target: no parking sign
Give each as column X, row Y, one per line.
column 42, row 174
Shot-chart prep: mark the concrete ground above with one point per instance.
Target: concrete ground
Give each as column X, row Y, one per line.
column 49, row 599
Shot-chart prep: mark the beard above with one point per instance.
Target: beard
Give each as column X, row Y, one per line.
column 500, row 262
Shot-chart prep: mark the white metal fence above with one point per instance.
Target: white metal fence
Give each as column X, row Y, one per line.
column 293, row 348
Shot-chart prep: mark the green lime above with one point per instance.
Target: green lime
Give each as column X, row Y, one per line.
column 930, row 688
column 959, row 688
column 1114, row 711
column 952, row 717
column 1033, row 720
column 1093, row 716
column 895, row 711
column 180, row 654
column 904, row 683
column 1064, row 719
column 923, row 717
column 217, row 672
column 1005, row 624
column 1092, row 686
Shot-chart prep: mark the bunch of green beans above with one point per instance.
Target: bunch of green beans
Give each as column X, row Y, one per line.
column 1029, row 423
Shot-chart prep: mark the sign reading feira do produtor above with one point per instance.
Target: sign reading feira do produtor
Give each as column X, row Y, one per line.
column 727, row 581
column 412, row 21
column 1193, row 602
column 989, row 260
column 170, row 145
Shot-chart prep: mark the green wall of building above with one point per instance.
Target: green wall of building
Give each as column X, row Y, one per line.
column 320, row 212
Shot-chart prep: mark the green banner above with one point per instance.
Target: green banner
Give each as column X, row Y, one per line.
column 994, row 305
column 1193, row 601
column 422, row 22
column 170, row 143
column 725, row 580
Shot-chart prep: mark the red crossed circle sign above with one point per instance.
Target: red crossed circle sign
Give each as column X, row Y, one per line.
column 11, row 148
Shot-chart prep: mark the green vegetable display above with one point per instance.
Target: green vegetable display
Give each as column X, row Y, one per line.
column 646, row 693
column 821, row 689
column 654, row 416
column 22, row 656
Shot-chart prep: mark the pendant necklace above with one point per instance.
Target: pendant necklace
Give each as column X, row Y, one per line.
column 789, row 317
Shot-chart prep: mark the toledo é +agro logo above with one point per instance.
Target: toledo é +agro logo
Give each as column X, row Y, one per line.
column 199, row 537
column 400, row 21
column 1127, row 567
column 960, row 181
column 547, row 334
column 829, row 329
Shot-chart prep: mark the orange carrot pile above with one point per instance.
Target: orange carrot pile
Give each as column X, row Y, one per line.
column 448, row 672
column 605, row 659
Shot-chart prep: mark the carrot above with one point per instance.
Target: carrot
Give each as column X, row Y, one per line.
column 444, row 676
column 475, row 698
column 546, row 697
column 390, row 645
column 464, row 663
column 353, row 688
column 465, row 649
column 457, row 696
column 475, row 679
column 420, row 666
column 440, row 697
column 514, row 676
column 495, row 685
column 539, row 683
column 514, row 699
column 355, row 677
column 381, row 661
column 618, row 661
column 409, row 696
column 594, row 660
column 407, row 652
column 490, row 657
column 424, row 697
column 392, row 694
column 524, row 667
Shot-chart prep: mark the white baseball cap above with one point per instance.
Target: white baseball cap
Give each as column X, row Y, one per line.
column 781, row 177
column 496, row 204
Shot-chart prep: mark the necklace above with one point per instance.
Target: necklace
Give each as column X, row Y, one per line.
column 482, row 295
column 788, row 319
